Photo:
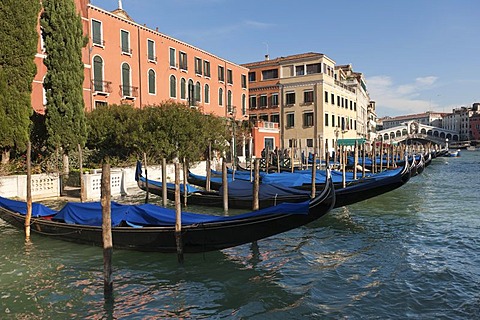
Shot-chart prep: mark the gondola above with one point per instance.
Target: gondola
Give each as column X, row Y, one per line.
column 240, row 192
column 149, row 227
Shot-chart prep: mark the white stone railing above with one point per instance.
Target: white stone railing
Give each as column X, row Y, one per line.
column 46, row 186
column 43, row 186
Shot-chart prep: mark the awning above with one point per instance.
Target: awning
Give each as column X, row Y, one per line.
column 350, row 142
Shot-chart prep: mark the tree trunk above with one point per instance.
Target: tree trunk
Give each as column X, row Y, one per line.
column 5, row 156
column 66, row 165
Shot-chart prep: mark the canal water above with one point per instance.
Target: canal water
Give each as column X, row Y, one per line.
column 411, row 253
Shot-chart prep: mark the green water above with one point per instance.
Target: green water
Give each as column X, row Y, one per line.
column 411, row 253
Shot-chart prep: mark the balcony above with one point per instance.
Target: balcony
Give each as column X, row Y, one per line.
column 129, row 92
column 103, row 88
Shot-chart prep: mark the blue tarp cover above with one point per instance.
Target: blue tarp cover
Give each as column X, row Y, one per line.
column 38, row 210
column 141, row 215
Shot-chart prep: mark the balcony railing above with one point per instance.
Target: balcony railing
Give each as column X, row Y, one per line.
column 102, row 87
column 128, row 92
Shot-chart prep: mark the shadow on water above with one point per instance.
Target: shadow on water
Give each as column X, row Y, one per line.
column 54, row 277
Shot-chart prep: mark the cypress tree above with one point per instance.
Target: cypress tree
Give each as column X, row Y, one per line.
column 64, row 40
column 18, row 39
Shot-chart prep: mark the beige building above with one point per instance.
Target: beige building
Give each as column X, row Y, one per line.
column 314, row 100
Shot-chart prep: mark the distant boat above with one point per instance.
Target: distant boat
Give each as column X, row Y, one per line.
column 453, row 154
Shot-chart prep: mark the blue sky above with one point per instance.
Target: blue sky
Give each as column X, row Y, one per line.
column 416, row 55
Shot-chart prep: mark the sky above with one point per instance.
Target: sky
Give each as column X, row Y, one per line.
column 416, row 55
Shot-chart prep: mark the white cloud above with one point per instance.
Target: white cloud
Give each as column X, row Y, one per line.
column 398, row 99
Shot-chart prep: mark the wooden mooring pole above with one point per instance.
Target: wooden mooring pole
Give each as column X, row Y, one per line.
column 314, row 175
column 164, row 182
column 28, row 216
column 224, row 186
column 106, row 230
column 178, row 215
column 256, row 185
column 146, row 176
column 82, row 184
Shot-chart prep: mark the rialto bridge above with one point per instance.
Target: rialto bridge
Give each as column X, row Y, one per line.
column 415, row 131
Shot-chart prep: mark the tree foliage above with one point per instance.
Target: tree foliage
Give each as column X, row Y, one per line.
column 64, row 40
column 168, row 131
column 18, row 39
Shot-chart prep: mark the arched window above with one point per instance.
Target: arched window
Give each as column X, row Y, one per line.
column 173, row 87
column 198, row 90
column 244, row 104
column 220, row 97
column 191, row 92
column 126, row 87
column 229, row 101
column 206, row 96
column 151, row 81
column 183, row 89
column 98, row 74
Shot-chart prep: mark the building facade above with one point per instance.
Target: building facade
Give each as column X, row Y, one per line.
column 128, row 63
column 429, row 118
column 314, row 101
column 459, row 121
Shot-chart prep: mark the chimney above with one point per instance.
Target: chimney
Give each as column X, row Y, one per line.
column 267, row 57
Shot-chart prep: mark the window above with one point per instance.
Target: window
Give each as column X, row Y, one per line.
column 220, row 97
column 290, row 98
column 206, row 68
column 314, row 68
column 308, row 119
column 308, row 97
column 191, row 92
column 326, row 120
column 263, row 117
column 244, row 81
column 251, row 76
column 262, row 101
column 290, row 120
column 98, row 74
column 126, row 88
column 97, row 36
column 173, row 86
column 206, row 96
column 270, row 74
column 275, row 118
column 183, row 89
column 310, row 143
column 333, row 120
column 229, row 101
column 355, row 106
column 125, row 41
column 182, row 60
column 299, row 70
column 351, row 105
column 338, row 101
column 198, row 91
column 173, row 55
column 151, row 82
column 326, row 97
column 332, row 100
column 198, row 66
column 229, row 76
column 221, row 73
column 253, row 102
column 342, row 102
column 244, row 104
column 151, row 50
column 274, row 99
